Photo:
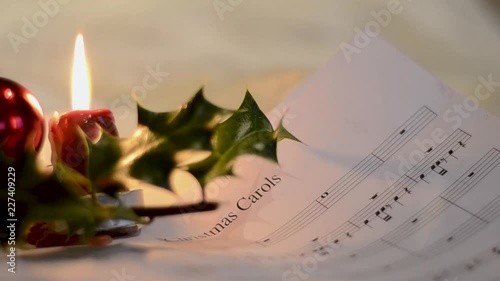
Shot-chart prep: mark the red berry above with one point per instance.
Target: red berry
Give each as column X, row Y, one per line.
column 21, row 120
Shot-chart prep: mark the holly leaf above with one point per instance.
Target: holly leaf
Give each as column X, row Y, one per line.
column 199, row 125
column 246, row 120
column 198, row 113
column 282, row 133
column 150, row 155
column 246, row 132
column 103, row 158
column 57, row 196
column 197, row 117
column 261, row 143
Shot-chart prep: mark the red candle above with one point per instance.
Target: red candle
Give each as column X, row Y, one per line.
column 68, row 143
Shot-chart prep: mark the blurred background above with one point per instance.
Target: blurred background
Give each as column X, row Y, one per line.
column 228, row 46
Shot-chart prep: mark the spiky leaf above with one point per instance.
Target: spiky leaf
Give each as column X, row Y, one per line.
column 149, row 155
column 199, row 125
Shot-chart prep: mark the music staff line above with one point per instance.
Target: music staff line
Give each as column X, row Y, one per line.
column 466, row 266
column 422, row 117
column 441, row 152
column 384, row 152
column 448, row 197
column 400, row 137
column 465, row 231
column 397, row 190
column 433, row 209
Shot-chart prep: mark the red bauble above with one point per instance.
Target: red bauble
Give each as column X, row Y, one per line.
column 21, row 120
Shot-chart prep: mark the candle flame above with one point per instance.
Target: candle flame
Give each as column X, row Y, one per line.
column 80, row 77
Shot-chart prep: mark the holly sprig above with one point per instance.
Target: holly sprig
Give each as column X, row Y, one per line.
column 150, row 155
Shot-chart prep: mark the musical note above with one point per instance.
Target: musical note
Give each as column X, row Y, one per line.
column 451, row 153
column 436, row 207
column 422, row 177
column 407, row 190
column 377, row 213
column 336, row 241
column 324, row 253
column 267, row 240
column 450, row 239
column 396, row 199
column 387, row 217
column 429, row 150
column 472, row 266
column 366, row 222
column 438, row 169
column 374, row 196
column 471, row 174
column 461, row 144
column 388, row 206
column 315, row 239
column 496, row 251
column 469, row 267
column 349, row 181
column 348, row 235
column 383, row 209
column 321, row 251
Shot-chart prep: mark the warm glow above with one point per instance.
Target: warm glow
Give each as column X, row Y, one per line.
column 34, row 102
column 80, row 77
column 7, row 94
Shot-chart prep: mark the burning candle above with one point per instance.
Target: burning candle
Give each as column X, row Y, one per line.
column 68, row 135
column 68, row 143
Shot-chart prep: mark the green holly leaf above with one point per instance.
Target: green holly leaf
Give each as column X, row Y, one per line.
column 282, row 133
column 103, row 156
column 153, row 166
column 261, row 143
column 246, row 120
column 4, row 160
column 246, row 131
column 150, row 155
column 197, row 114
column 103, row 159
column 70, row 178
column 199, row 125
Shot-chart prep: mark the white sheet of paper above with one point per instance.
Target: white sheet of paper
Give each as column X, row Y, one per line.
column 396, row 179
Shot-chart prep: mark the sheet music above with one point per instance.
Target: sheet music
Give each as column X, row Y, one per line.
column 396, row 179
